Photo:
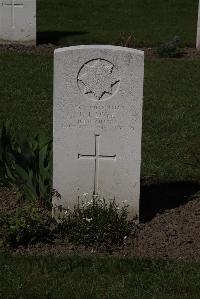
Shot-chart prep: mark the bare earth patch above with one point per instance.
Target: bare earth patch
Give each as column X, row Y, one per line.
column 150, row 53
column 175, row 234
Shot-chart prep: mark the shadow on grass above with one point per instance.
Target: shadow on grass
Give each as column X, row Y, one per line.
column 158, row 197
column 54, row 37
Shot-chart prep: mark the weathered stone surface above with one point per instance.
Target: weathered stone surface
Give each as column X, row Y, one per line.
column 98, row 92
column 18, row 21
column 198, row 30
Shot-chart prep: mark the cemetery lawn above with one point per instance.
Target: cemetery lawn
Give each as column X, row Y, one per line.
column 170, row 118
column 101, row 21
column 96, row 277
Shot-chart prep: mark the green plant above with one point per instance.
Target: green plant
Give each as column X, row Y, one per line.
column 91, row 223
column 26, row 165
column 170, row 49
column 127, row 40
column 95, row 222
column 29, row 224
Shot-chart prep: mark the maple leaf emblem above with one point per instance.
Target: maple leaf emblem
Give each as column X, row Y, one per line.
column 98, row 78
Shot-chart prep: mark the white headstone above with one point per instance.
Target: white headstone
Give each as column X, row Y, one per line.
column 198, row 30
column 98, row 96
column 18, row 21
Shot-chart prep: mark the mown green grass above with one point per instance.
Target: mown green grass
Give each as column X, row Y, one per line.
column 170, row 139
column 171, row 123
column 26, row 90
column 102, row 21
column 91, row 278
column 171, row 119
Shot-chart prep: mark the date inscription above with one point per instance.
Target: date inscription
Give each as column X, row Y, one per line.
column 99, row 116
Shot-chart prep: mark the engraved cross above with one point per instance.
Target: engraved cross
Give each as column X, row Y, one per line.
column 13, row 5
column 96, row 157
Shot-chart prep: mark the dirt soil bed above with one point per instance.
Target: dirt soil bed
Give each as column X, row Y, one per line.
column 173, row 233
column 150, row 53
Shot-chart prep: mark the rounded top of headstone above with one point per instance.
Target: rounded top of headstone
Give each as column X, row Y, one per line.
column 99, row 47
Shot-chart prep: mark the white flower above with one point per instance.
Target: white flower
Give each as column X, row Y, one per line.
column 87, row 219
column 85, row 194
column 125, row 237
column 88, row 203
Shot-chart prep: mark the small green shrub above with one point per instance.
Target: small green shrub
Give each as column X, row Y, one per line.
column 26, row 165
column 170, row 49
column 27, row 225
column 95, row 222
column 127, row 40
column 92, row 223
